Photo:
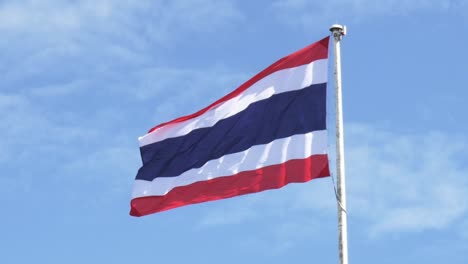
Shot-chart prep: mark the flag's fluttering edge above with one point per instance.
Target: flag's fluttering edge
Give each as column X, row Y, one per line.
column 267, row 133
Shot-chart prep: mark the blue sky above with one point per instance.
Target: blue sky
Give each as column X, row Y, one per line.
column 81, row 80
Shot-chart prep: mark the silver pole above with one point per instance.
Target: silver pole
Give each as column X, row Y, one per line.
column 338, row 31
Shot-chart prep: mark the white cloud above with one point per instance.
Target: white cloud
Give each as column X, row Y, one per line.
column 81, row 133
column 371, row 7
column 104, row 165
column 281, row 217
column 156, row 80
column 56, row 47
column 26, row 126
column 66, row 150
column 311, row 13
column 51, row 19
column 62, row 59
column 196, row 88
column 405, row 182
column 396, row 183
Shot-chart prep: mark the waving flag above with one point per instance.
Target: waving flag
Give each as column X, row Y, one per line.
column 267, row 133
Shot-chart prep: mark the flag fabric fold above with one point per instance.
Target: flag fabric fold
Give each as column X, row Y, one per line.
column 267, row 133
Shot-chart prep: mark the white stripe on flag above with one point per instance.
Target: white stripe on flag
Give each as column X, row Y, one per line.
column 278, row 82
column 276, row 152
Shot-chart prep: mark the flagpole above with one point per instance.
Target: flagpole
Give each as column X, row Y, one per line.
column 338, row 31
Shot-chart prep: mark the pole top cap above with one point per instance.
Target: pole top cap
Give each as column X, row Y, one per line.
column 338, row 31
column 337, row 27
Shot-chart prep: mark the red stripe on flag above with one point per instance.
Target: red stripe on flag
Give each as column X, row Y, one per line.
column 270, row 177
column 313, row 52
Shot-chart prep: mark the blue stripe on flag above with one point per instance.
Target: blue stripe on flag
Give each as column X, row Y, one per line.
column 280, row 116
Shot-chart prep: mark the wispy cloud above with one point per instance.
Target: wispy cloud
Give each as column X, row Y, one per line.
column 55, row 42
column 200, row 87
column 406, row 182
column 77, row 126
column 25, row 126
column 311, row 13
column 283, row 236
column 81, row 127
column 283, row 217
column 68, row 66
column 396, row 183
column 84, row 17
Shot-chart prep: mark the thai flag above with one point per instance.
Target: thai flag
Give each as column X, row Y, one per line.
column 267, row 133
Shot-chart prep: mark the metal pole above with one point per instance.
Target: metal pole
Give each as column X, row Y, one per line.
column 338, row 32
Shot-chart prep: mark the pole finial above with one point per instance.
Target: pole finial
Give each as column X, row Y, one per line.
column 338, row 31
